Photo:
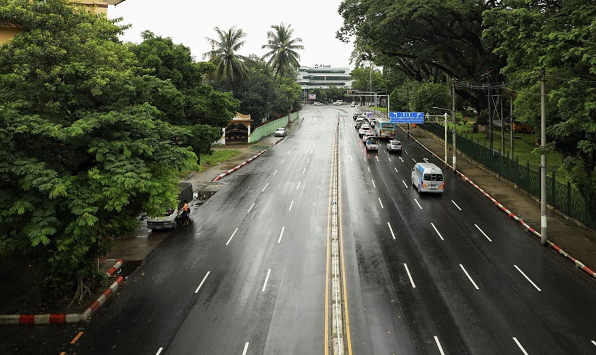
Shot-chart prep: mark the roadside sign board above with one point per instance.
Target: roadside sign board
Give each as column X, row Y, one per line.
column 406, row 117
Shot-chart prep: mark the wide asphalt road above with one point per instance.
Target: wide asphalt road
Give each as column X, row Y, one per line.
column 434, row 274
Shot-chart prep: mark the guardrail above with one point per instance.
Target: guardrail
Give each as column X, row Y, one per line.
column 564, row 197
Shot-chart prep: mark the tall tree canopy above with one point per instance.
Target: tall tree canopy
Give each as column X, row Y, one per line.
column 82, row 151
column 283, row 55
column 229, row 64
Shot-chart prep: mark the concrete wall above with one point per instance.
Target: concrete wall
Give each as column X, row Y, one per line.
column 270, row 127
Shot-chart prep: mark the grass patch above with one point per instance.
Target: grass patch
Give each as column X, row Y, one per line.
column 215, row 158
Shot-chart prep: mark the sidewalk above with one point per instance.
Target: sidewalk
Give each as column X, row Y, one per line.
column 576, row 240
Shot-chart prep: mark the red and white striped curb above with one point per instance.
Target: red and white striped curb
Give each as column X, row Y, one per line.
column 65, row 318
column 246, row 162
column 577, row 263
column 114, row 268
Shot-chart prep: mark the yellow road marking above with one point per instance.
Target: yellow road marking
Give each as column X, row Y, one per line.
column 343, row 267
column 76, row 338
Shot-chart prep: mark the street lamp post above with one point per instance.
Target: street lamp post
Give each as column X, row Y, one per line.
column 454, row 135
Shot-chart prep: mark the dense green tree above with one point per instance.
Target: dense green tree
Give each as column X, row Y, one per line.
column 283, row 55
column 286, row 97
column 195, row 105
column 229, row 64
column 253, row 91
column 561, row 38
column 82, row 150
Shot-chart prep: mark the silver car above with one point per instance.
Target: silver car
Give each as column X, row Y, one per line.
column 394, row 146
column 281, row 132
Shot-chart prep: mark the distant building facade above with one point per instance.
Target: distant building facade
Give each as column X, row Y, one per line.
column 323, row 77
column 9, row 30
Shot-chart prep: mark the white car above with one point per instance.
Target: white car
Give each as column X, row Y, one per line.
column 318, row 104
column 353, row 104
column 281, row 132
column 394, row 146
column 364, row 129
column 371, row 143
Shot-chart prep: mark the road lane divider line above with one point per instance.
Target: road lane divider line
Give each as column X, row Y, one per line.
column 76, row 338
column 594, row 342
column 308, row 160
column 456, row 205
column 527, row 278
column 409, row 275
column 415, row 200
column 375, row 186
column 245, row 348
column 406, row 185
column 266, row 279
column 481, row 231
column 436, row 230
column 396, row 171
column 297, row 187
column 406, row 151
column 402, row 159
column 389, row 158
column 282, row 161
column 291, row 204
column 303, row 170
column 439, row 345
column 275, row 172
column 368, row 169
column 414, row 160
column 159, row 351
column 377, row 157
column 381, row 203
column 468, row 275
column 253, row 205
column 391, row 230
column 520, row 346
column 233, row 234
column 281, row 234
column 267, row 184
column 201, row 284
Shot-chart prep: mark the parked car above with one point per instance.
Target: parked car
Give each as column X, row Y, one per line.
column 364, row 129
column 172, row 217
column 394, row 146
column 318, row 103
column 281, row 132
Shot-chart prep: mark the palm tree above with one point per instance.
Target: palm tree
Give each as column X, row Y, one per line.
column 283, row 57
column 230, row 66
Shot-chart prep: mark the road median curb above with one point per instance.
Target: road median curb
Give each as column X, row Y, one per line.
column 71, row 317
column 532, row 231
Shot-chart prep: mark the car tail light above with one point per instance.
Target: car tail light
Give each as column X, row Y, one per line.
column 424, row 186
column 442, row 186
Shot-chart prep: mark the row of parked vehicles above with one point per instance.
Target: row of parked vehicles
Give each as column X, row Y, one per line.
column 425, row 177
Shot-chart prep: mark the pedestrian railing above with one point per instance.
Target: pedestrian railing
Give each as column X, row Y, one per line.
column 565, row 197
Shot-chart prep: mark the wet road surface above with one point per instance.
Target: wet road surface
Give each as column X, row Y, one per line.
column 425, row 274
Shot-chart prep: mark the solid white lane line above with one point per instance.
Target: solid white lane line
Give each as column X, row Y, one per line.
column 520, row 346
column 275, row 172
column 368, row 169
column 414, row 160
column 436, row 230
column 456, row 205
column 410, row 276
column 381, row 203
column 375, row 186
column 201, row 284
column 481, row 231
column 473, row 283
column 283, row 161
column 406, row 151
column 417, row 203
column 266, row 279
column 406, row 185
column 245, row 348
column 267, row 184
column 291, row 204
column 297, row 187
column 396, row 171
column 439, row 346
column 527, row 278
column 159, row 351
column 229, row 240
column 303, row 170
column 253, row 205
column 391, row 230
column 281, row 234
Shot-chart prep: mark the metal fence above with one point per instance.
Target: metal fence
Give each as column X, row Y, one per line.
column 562, row 196
column 270, row 127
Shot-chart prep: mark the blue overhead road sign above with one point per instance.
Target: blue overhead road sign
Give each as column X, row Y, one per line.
column 406, row 117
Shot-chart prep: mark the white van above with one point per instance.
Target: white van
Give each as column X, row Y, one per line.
column 427, row 177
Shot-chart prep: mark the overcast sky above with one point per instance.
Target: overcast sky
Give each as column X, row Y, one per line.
column 188, row 22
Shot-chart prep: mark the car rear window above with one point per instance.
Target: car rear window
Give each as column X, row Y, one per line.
column 433, row 177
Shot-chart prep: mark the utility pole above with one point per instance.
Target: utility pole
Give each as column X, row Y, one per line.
column 408, row 104
column 453, row 114
column 543, row 224
column 446, row 149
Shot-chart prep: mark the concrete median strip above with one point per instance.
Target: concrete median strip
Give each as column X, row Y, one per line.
column 246, row 162
column 532, row 231
column 67, row 318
